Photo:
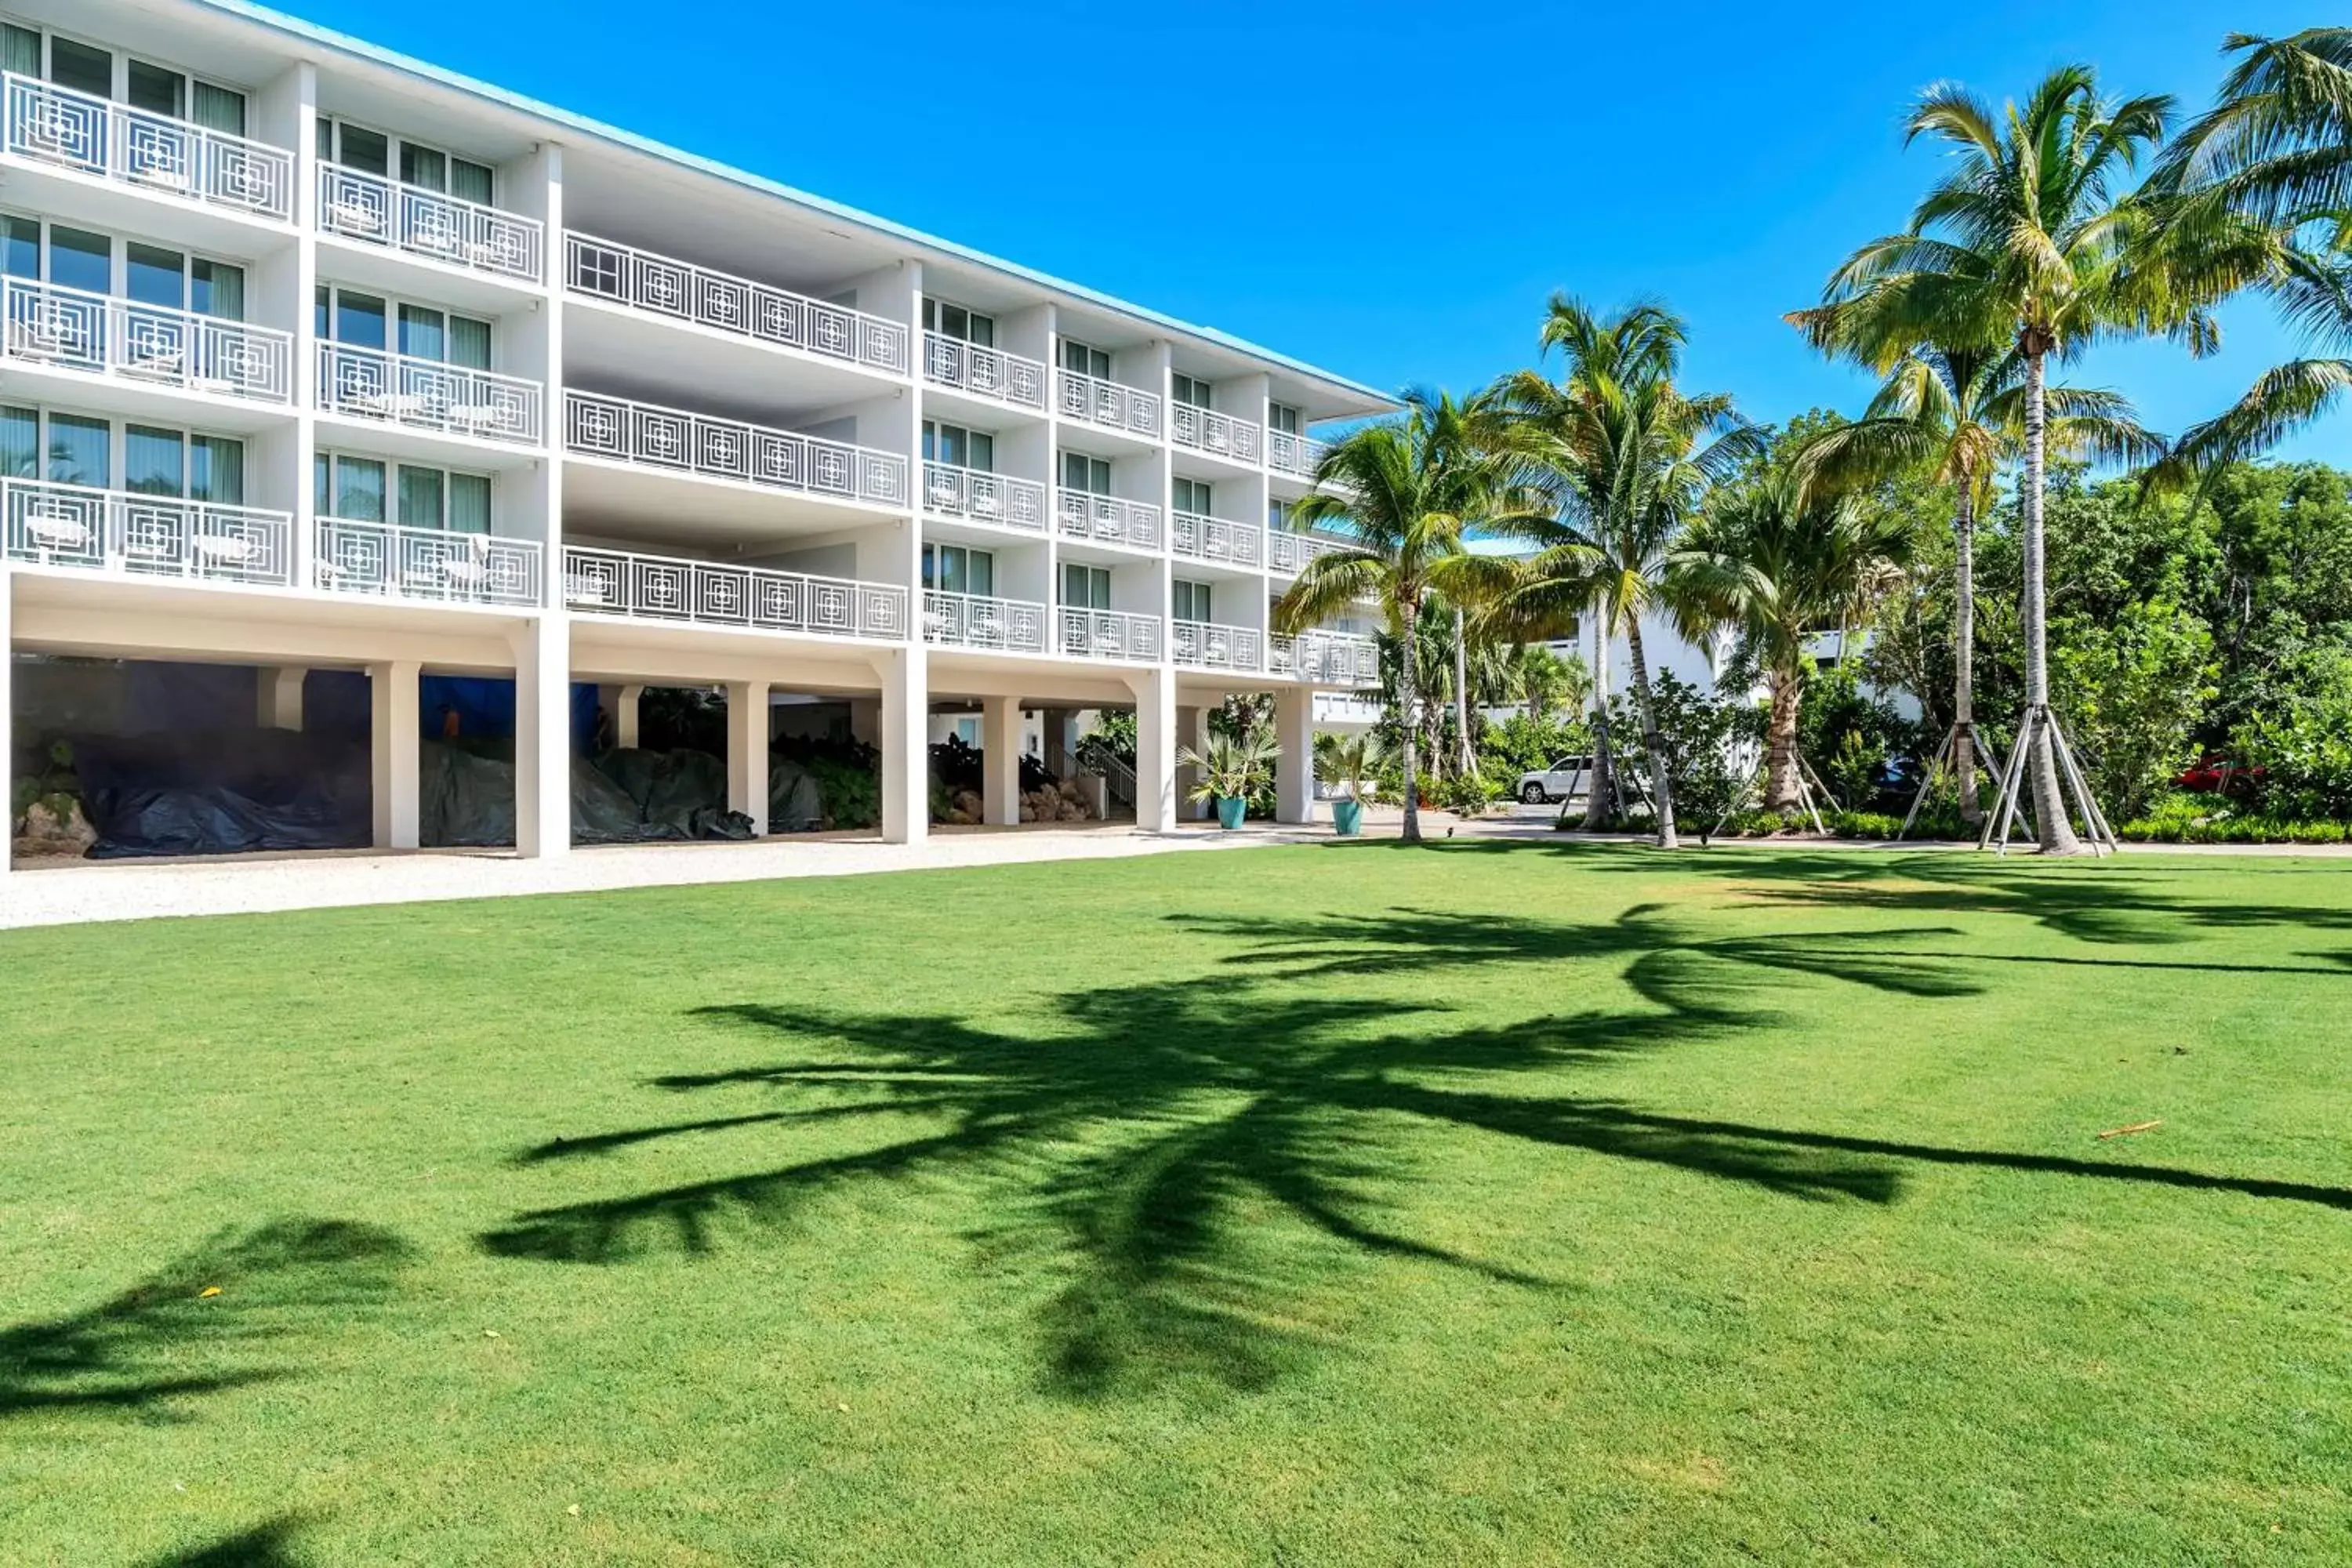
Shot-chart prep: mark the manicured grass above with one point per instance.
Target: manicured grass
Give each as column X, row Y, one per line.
column 1350, row 1206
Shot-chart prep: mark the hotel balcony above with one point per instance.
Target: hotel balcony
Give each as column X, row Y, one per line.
column 711, row 592
column 125, row 534
column 989, row 375
column 648, row 436
column 1326, row 658
column 972, row 620
column 59, row 128
column 429, row 394
column 427, row 565
column 974, row 495
column 1199, row 538
column 1107, row 405
column 757, row 312
column 1294, row 455
column 1206, row 645
column 1108, row 633
column 357, row 205
column 1108, row 519
column 148, row 345
column 1218, row 435
column 1286, row 552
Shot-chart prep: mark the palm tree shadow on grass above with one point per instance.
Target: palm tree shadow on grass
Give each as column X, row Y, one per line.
column 164, row 1341
column 268, row 1546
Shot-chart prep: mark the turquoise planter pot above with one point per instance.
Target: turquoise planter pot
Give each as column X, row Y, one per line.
column 1229, row 811
column 1348, row 817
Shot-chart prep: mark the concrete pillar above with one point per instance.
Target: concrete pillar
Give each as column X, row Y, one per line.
column 620, row 706
column 747, row 751
column 903, row 733
column 1155, row 749
column 1193, row 731
column 1000, row 740
column 395, row 738
column 866, row 720
column 542, row 651
column 1293, row 770
column 279, row 696
column 7, row 725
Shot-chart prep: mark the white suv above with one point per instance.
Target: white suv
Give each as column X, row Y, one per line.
column 1570, row 778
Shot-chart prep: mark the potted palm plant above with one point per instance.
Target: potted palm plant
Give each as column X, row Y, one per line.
column 1345, row 762
column 1231, row 772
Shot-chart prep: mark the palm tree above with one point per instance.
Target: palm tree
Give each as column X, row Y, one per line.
column 1622, row 458
column 2032, row 235
column 1777, row 557
column 1955, row 410
column 1538, row 678
column 1406, row 490
column 2277, row 150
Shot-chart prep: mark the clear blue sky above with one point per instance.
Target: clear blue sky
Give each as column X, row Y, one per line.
column 1388, row 190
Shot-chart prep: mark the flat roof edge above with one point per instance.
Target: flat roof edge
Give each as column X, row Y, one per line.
column 393, row 60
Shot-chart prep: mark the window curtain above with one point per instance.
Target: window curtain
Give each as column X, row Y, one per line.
column 469, row 182
column 469, row 344
column 20, row 50
column 219, row 109
column 420, row 498
column 20, row 443
column 216, row 470
column 217, row 289
column 469, row 504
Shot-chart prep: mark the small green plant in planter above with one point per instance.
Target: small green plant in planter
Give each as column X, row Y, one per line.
column 1348, row 761
column 1231, row 772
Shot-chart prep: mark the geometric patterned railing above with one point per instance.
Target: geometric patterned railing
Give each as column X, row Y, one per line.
column 1219, row 434
column 983, row 371
column 950, row 489
column 1295, row 455
column 356, row 204
column 1214, row 539
column 1208, row 646
column 660, row 587
column 384, row 560
column 145, row 536
column 1108, row 519
column 152, row 152
column 604, row 270
column 1326, row 658
column 1094, row 401
column 1288, row 551
column 48, row 323
column 973, row 620
column 599, row 427
column 431, row 394
column 1108, row 633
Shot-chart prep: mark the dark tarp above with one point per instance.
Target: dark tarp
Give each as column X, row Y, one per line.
column 795, row 804
column 682, row 791
column 222, row 794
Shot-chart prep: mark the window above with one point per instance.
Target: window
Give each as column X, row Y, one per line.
column 143, row 85
column 362, row 489
column 966, row 731
column 1085, row 587
column 1192, row 496
column 151, row 274
column 80, row 450
column 419, row 332
column 81, row 67
column 954, row 569
column 155, row 460
column 1088, row 474
column 1283, row 418
column 1188, row 389
column 1277, row 517
column 954, row 444
column 955, row 321
column 421, row 167
column 81, row 260
column 1086, row 361
column 1192, row 601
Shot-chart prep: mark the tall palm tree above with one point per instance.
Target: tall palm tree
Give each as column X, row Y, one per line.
column 2277, row 150
column 1406, row 491
column 1779, row 556
column 1956, row 411
column 2034, row 234
column 1622, row 458
column 1538, row 678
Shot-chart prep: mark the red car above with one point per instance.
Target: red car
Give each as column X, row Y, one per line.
column 2216, row 774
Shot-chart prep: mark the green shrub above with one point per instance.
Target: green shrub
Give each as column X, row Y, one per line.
column 1465, row 795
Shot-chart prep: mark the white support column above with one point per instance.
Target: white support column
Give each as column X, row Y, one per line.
column 1155, row 749
column 395, row 738
column 7, row 725
column 1000, row 740
column 747, row 751
column 542, row 650
column 624, row 715
column 906, row 736
column 280, row 695
column 1190, row 731
column 866, row 720
column 1293, row 770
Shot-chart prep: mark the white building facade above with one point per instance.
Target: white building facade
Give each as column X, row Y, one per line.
column 319, row 358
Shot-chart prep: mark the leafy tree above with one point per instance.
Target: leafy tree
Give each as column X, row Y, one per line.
column 2135, row 683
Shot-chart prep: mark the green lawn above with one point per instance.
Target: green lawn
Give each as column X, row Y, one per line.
column 1318, row 1206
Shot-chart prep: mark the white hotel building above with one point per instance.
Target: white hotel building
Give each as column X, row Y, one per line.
column 319, row 358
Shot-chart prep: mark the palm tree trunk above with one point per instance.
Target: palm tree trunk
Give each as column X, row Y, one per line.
column 2049, row 806
column 1781, row 791
column 1467, row 760
column 1660, row 786
column 1406, row 706
column 1601, row 796
column 1964, row 647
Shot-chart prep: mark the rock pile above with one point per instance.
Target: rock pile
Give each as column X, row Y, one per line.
column 53, row 825
column 1063, row 802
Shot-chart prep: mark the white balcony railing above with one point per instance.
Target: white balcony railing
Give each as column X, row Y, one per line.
column 1202, row 538
column 1094, row 401
column 600, row 426
column 950, row 489
column 970, row 620
column 1219, row 434
column 154, row 151
column 1108, row 519
column 987, row 372
column 1298, row 455
column 383, row 560
column 1108, row 633
column 429, row 394
column 356, row 204
column 603, row 270
column 1206, row 645
column 663, row 588
column 136, row 535
column 75, row 330
column 1288, row 551
column 1326, row 658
